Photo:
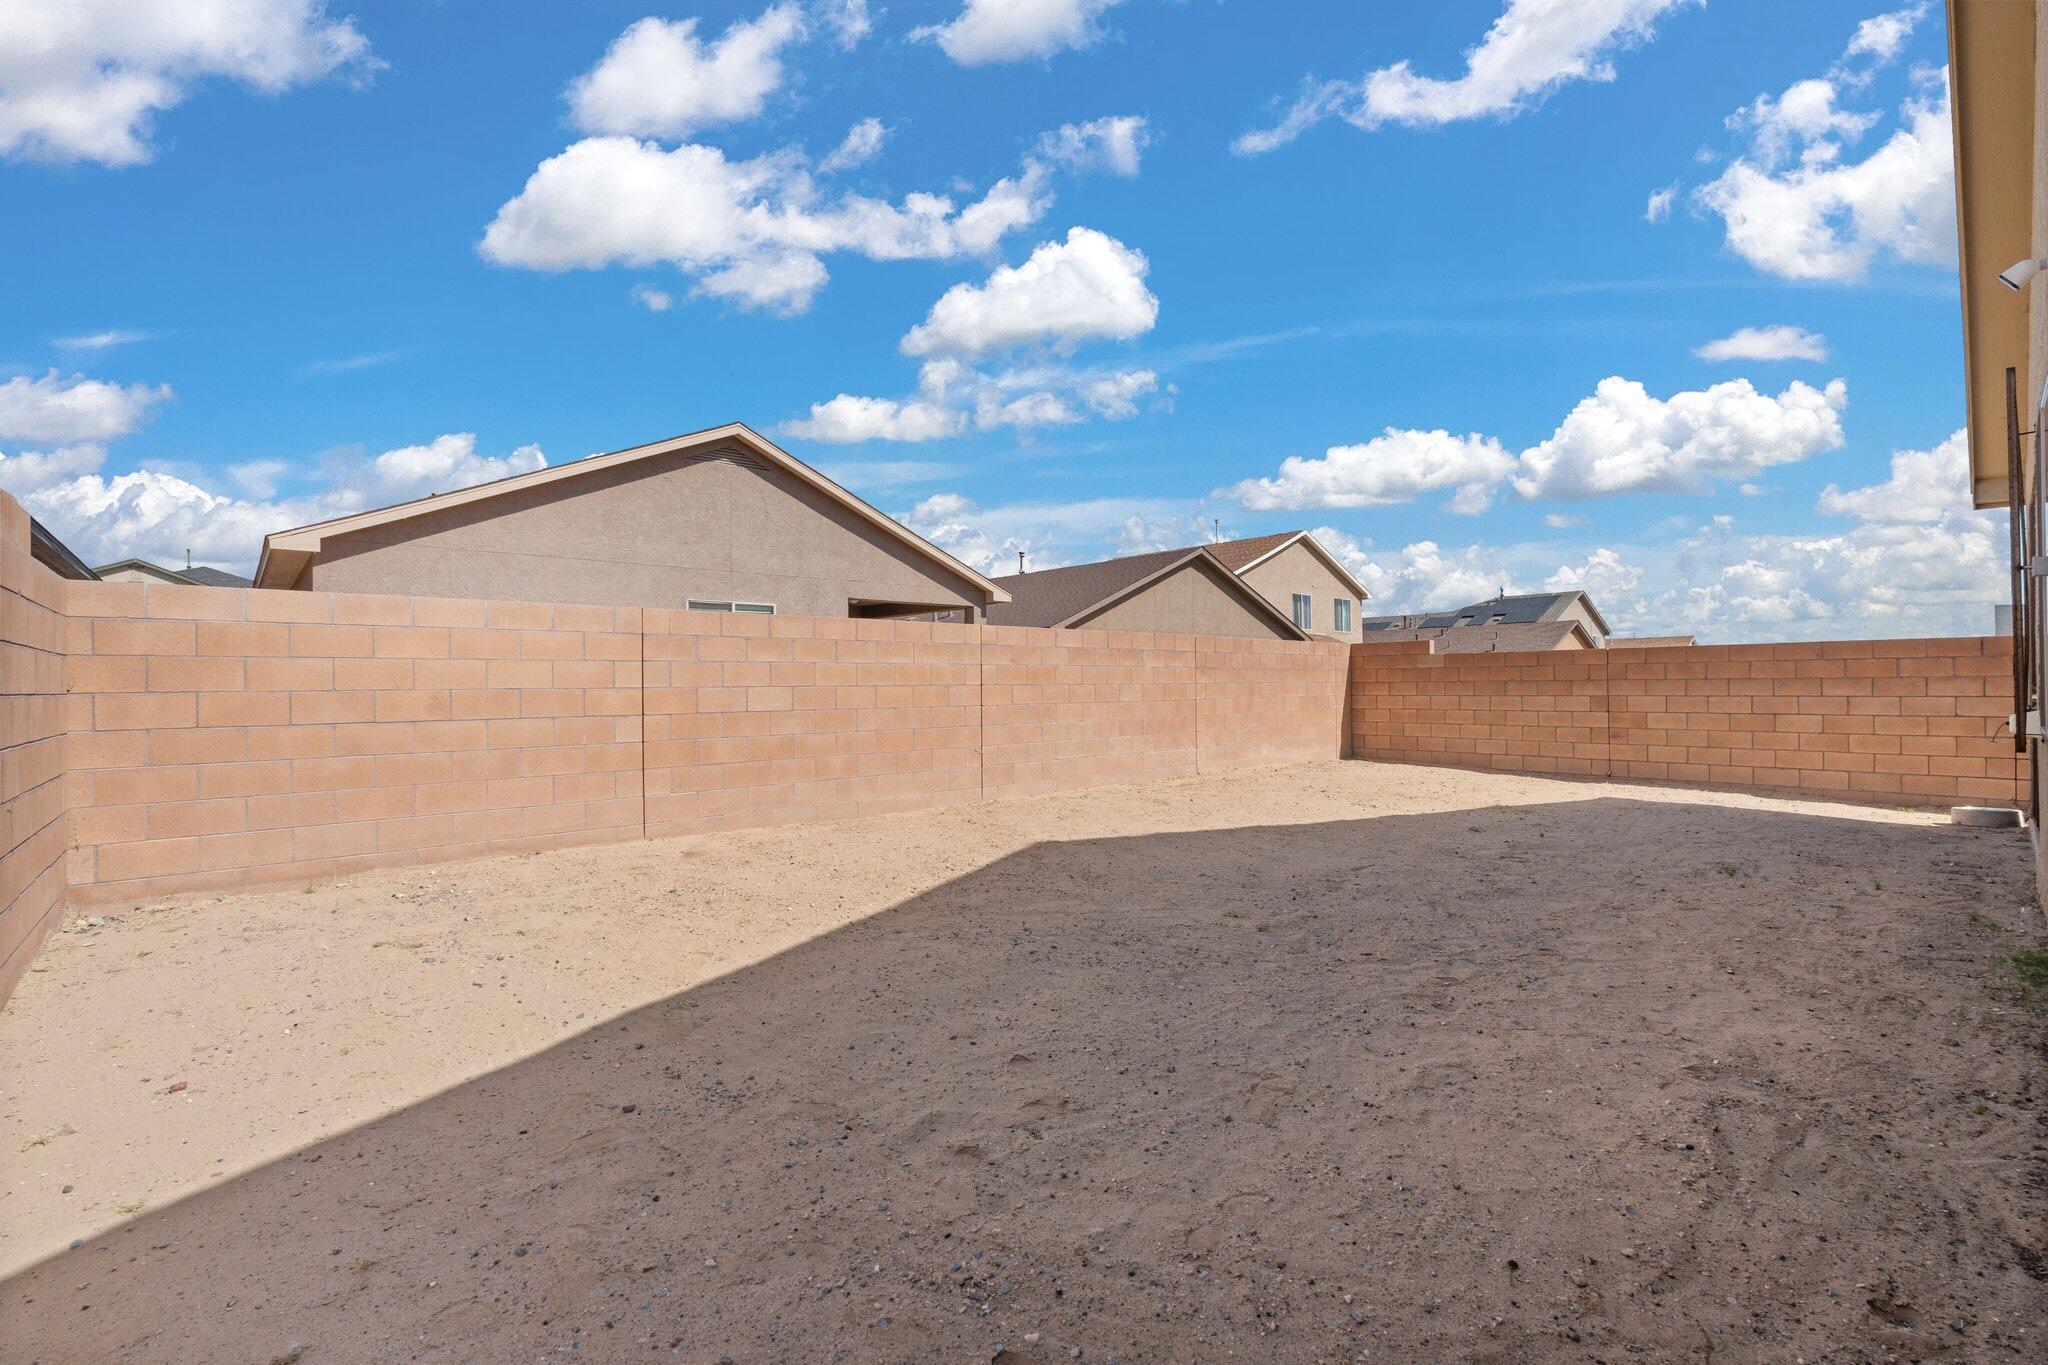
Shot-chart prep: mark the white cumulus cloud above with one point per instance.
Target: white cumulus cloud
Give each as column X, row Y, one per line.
column 849, row 22
column 1393, row 467
column 1882, row 37
column 752, row 231
column 29, row 471
column 659, row 79
column 83, row 80
column 1793, row 206
column 652, row 299
column 55, row 408
column 153, row 514
column 1925, row 486
column 1421, row 576
column 1089, row 287
column 849, row 418
column 1658, row 207
column 1113, row 145
column 862, row 144
column 1803, row 121
column 1766, row 343
column 1534, row 47
column 988, row 31
column 1053, row 534
column 1623, row 439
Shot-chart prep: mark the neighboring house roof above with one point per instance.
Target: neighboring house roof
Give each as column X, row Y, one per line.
column 1992, row 93
column 1505, row 638
column 199, row 575
column 207, row 577
column 1238, row 556
column 54, row 555
column 1520, row 609
column 1651, row 641
column 286, row 552
column 1061, row 597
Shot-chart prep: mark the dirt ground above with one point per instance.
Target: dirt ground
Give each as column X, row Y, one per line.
column 1337, row 1061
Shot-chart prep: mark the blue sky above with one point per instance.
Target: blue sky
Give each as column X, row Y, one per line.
column 1071, row 276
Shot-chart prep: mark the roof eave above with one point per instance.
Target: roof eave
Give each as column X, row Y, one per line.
column 1130, row 590
column 1316, row 547
column 1991, row 75
column 305, row 541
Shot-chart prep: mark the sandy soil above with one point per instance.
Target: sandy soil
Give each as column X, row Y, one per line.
column 1329, row 1062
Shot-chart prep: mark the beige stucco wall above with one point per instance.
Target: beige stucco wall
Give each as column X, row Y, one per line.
column 1577, row 612
column 2037, row 311
column 1297, row 569
column 657, row 532
column 135, row 575
column 1196, row 599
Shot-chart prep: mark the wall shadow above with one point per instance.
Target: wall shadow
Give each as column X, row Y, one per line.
column 1504, row 1083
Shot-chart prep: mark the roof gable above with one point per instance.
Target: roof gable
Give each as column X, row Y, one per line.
column 285, row 553
column 1242, row 556
column 1063, row 597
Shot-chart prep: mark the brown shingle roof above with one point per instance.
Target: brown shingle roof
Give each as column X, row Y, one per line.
column 1505, row 638
column 1518, row 609
column 1235, row 554
column 1051, row 597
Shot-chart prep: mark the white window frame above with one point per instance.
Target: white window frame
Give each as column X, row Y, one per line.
column 1304, row 610
column 1340, row 615
column 743, row 608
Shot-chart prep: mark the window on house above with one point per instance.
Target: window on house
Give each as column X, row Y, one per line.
column 755, row 608
column 1341, row 618
column 1303, row 607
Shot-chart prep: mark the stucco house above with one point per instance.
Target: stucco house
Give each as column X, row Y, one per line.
column 1183, row 592
column 1543, row 620
column 717, row 520
column 1294, row 573
column 194, row 575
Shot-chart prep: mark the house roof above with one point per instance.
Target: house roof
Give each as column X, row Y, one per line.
column 1992, row 92
column 1059, row 597
column 1506, row 638
column 1519, row 609
column 54, row 554
column 199, row 575
column 1238, row 556
column 1650, row 641
column 286, row 552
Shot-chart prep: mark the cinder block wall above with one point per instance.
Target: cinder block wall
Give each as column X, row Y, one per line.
column 32, row 748
column 224, row 739
column 1906, row 722
column 162, row 739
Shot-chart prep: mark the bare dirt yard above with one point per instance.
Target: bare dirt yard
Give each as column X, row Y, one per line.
column 1336, row 1061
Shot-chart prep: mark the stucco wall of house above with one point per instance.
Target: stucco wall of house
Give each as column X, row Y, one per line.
column 655, row 533
column 1297, row 569
column 132, row 574
column 1577, row 612
column 1196, row 599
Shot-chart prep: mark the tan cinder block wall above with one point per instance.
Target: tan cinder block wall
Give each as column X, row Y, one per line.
column 755, row 720
column 32, row 748
column 1909, row 722
column 225, row 739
